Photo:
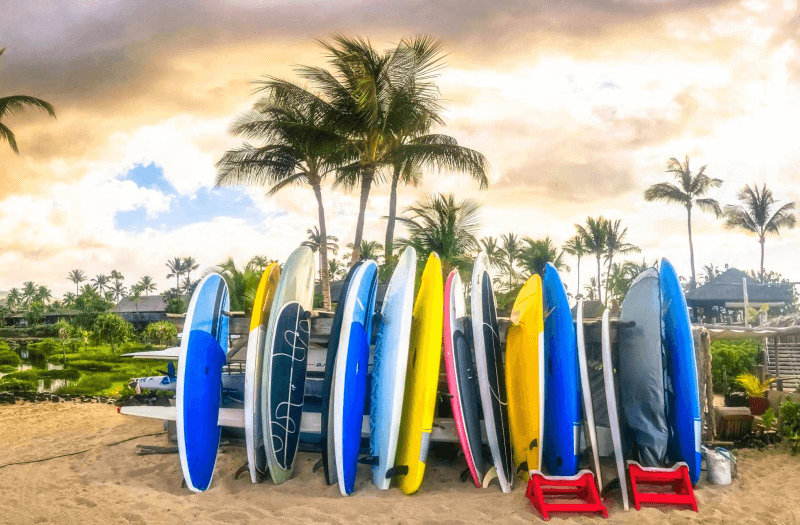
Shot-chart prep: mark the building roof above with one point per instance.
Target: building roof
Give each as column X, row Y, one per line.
column 727, row 288
column 145, row 304
column 65, row 312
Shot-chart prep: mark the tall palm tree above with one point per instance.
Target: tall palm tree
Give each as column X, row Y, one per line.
column 119, row 290
column 15, row 104
column 756, row 214
column 593, row 234
column 591, row 289
column 77, row 277
column 575, row 247
column 687, row 193
column 100, row 283
column 710, row 271
column 616, row 244
column 69, row 300
column 369, row 250
column 511, row 249
column 176, row 269
column 300, row 146
column 188, row 285
column 29, row 290
column 336, row 268
column 443, row 225
column 495, row 254
column 537, row 253
column 43, row 294
column 190, row 265
column 146, row 285
column 13, row 299
column 315, row 241
column 242, row 283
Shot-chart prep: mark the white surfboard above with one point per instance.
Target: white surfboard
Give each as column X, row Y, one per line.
column 586, row 391
column 611, row 401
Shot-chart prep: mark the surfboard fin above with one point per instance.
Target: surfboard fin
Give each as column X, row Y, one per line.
column 534, row 444
column 465, row 475
column 445, row 395
column 183, row 484
column 242, row 470
column 317, row 466
column 369, row 460
column 490, row 475
column 400, row 470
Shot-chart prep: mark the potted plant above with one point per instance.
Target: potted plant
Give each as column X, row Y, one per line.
column 755, row 389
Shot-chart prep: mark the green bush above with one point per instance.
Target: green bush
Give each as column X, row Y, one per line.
column 7, row 369
column 16, row 385
column 69, row 374
column 90, row 366
column 160, row 333
column 730, row 359
column 41, row 330
column 24, row 375
column 43, row 349
column 8, row 356
column 92, row 384
column 790, row 413
column 112, row 329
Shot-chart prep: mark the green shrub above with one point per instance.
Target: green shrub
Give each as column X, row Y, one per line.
column 90, row 366
column 70, row 374
column 729, row 359
column 91, row 384
column 7, row 369
column 8, row 356
column 24, row 375
column 160, row 333
column 790, row 413
column 112, row 329
column 42, row 330
column 43, row 349
column 16, row 385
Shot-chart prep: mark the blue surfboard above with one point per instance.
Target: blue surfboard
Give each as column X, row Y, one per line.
column 562, row 409
column 199, row 387
column 683, row 402
column 352, row 367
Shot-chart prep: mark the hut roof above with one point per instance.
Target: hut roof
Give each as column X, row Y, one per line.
column 727, row 288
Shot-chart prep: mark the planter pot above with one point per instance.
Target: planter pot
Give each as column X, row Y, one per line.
column 736, row 400
column 758, row 405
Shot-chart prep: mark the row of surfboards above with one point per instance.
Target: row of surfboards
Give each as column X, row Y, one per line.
column 527, row 407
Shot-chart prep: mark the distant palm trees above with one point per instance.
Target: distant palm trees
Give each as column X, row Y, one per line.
column 77, row 277
column 593, row 234
column 604, row 239
column 575, row 247
column 369, row 250
column 190, row 265
column 242, row 283
column 616, row 244
column 176, row 269
column 15, row 104
column 687, row 193
column 757, row 214
column 146, row 285
column 536, row 253
column 100, row 283
column 14, row 299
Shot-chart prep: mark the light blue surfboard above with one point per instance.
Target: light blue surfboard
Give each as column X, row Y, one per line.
column 199, row 387
column 389, row 367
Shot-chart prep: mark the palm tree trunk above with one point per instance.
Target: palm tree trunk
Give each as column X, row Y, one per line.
column 388, row 252
column 762, row 256
column 599, row 287
column 324, row 276
column 693, row 284
column 367, row 174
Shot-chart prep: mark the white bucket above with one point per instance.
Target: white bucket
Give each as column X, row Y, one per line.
column 718, row 465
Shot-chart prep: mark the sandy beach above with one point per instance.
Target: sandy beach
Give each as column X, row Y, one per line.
column 111, row 484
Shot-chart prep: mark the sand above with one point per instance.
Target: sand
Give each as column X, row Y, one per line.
column 111, row 484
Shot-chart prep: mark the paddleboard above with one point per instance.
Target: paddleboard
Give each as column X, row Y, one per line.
column 562, row 412
column 351, row 369
column 462, row 379
column 389, row 367
column 611, row 403
column 285, row 361
column 525, row 377
column 491, row 373
column 199, row 387
column 326, row 436
column 586, row 390
column 683, row 399
column 422, row 378
column 641, row 372
column 254, row 436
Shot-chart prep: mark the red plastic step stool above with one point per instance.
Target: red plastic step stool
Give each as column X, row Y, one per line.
column 675, row 480
column 579, row 491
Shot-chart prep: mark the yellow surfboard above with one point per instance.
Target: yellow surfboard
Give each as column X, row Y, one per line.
column 264, row 294
column 525, row 376
column 422, row 377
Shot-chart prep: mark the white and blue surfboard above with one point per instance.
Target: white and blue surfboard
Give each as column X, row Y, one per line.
column 198, row 394
column 352, row 368
column 389, row 367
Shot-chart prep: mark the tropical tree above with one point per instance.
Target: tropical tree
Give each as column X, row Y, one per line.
column 616, row 244
column 709, row 272
column 77, row 277
column 147, row 285
column 591, row 289
column 575, row 247
column 101, row 282
column 118, row 290
column 16, row 104
column 29, row 290
column 621, row 276
column 190, row 265
column 497, row 258
column 314, row 242
column 242, row 283
column 176, row 269
column 443, row 225
column 688, row 192
column 593, row 234
column 757, row 214
column 69, row 300
column 14, row 299
column 43, row 294
column 369, row 250
column 336, row 268
column 536, row 253
column 188, row 285
column 512, row 247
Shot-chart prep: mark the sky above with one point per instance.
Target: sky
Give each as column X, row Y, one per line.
column 577, row 106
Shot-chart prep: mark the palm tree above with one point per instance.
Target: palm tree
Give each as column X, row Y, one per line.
column 537, row 253
column 77, row 277
column 315, row 241
column 494, row 253
column 686, row 193
column 593, row 234
column 242, row 284
column 511, row 250
column 591, row 288
column 15, row 104
column 101, row 282
column 29, row 290
column 190, row 265
column 146, row 285
column 188, row 285
column 615, row 244
column 119, row 290
column 13, row 299
column 575, row 247
column 68, row 300
column 43, row 294
column 440, row 224
column 710, row 272
column 336, row 268
column 175, row 266
column 369, row 250
column 756, row 214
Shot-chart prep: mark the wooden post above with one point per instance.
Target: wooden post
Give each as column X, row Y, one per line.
column 746, row 303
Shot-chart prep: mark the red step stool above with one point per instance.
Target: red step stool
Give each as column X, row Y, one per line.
column 675, row 479
column 580, row 490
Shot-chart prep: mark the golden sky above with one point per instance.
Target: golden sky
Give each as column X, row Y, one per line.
column 577, row 106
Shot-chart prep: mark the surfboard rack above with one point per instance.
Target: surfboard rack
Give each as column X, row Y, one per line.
column 580, row 490
column 675, row 479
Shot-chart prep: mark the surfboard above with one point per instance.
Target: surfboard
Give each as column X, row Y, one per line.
column 491, row 373
column 611, row 403
column 641, row 372
column 254, row 436
column 590, row 431
column 326, row 435
column 285, row 361
column 683, row 398
column 525, row 377
column 562, row 410
column 351, row 369
column 422, row 378
column 389, row 367
column 462, row 379
column 199, row 387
